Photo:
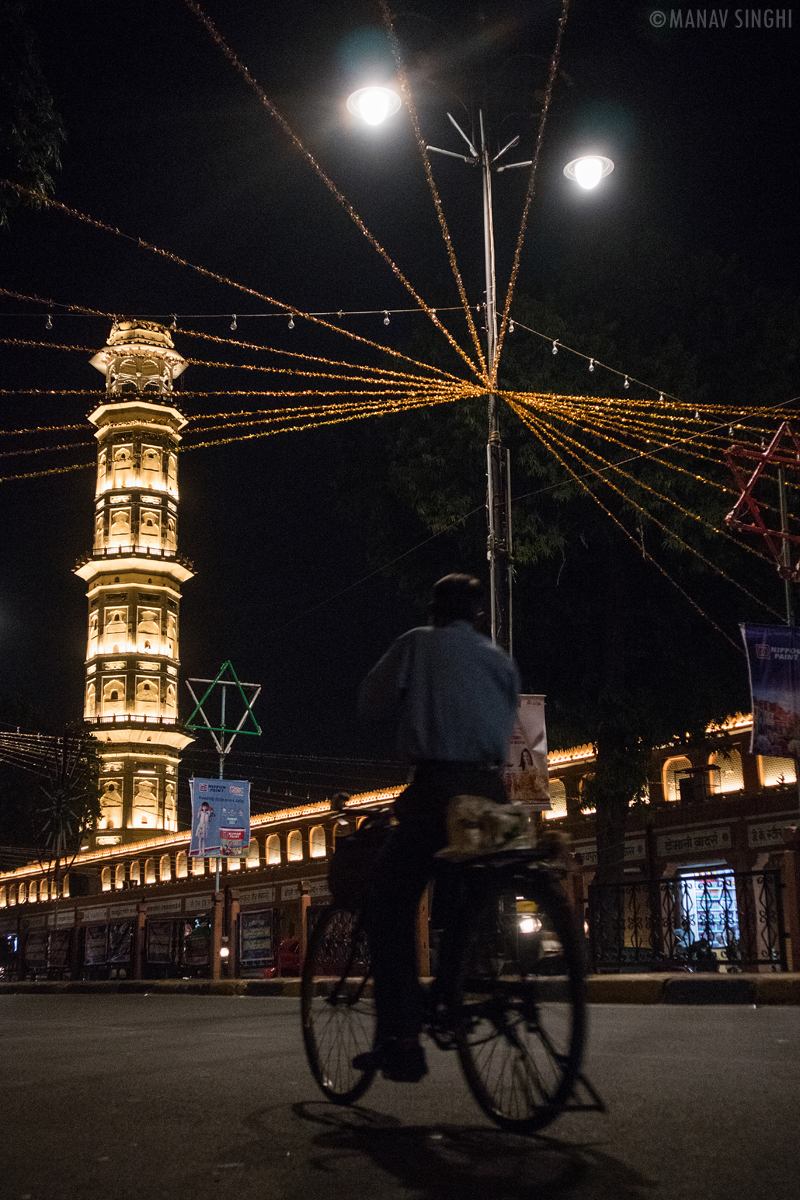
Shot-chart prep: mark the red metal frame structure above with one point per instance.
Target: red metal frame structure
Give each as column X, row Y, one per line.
column 782, row 456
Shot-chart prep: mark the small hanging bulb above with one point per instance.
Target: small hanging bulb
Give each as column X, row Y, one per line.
column 233, row 322
column 174, row 324
column 697, row 414
column 555, row 347
column 591, row 364
column 385, row 317
column 730, row 431
column 291, row 322
column 511, row 327
column 627, row 382
column 49, row 322
column 433, row 310
column 660, row 397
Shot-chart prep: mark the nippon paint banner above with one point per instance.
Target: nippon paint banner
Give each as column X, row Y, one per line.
column 525, row 774
column 220, row 818
column 773, row 660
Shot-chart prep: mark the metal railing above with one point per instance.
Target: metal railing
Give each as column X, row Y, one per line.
column 706, row 921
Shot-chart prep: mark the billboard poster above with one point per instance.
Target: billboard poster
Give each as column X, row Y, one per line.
column 94, row 946
column 255, row 938
column 525, row 774
column 120, row 942
column 773, row 660
column 220, row 818
column 159, row 941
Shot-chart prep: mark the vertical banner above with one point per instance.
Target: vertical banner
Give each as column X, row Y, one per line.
column 773, row 660
column 220, row 817
column 525, row 774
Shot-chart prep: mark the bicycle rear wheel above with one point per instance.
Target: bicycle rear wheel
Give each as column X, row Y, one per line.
column 338, row 1012
column 519, row 1009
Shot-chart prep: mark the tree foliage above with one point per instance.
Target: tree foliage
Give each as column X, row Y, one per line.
column 31, row 131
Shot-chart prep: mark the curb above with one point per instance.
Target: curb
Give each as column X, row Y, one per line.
column 754, row 990
column 694, row 989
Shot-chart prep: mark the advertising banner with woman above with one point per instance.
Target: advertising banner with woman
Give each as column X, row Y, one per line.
column 525, row 774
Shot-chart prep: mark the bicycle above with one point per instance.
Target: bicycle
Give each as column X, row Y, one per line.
column 511, row 1004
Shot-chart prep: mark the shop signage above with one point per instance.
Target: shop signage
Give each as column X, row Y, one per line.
column 257, row 895
column 255, row 938
column 65, row 918
column 122, row 910
column 694, row 841
column 318, row 887
column 196, row 903
column 765, row 835
column 157, row 907
column 290, row 891
column 89, row 915
column 635, row 849
column 39, row 921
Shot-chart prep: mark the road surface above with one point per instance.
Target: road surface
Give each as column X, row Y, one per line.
column 189, row 1097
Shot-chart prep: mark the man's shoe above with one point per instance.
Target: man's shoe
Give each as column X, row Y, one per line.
column 399, row 1060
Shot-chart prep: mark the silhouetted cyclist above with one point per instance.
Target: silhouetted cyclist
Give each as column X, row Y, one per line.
column 450, row 696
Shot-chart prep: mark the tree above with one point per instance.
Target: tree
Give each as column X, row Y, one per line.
column 592, row 614
column 31, row 131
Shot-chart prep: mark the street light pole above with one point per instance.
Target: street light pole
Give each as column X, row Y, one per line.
column 499, row 549
column 373, row 104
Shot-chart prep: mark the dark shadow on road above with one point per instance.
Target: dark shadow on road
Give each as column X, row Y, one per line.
column 468, row 1161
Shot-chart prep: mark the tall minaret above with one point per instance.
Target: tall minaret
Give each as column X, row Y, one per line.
column 134, row 576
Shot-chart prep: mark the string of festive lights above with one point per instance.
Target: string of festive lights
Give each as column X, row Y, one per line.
column 271, row 370
column 274, row 416
column 405, row 89
column 532, row 423
column 239, row 66
column 114, row 317
column 609, row 465
column 598, row 426
column 538, row 425
column 293, row 428
column 548, row 96
column 49, row 202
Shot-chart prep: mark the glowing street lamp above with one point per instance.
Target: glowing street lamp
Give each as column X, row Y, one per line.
column 374, row 104
column 588, row 170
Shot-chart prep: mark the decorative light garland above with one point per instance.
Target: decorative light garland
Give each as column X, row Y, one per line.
column 531, row 422
column 334, row 190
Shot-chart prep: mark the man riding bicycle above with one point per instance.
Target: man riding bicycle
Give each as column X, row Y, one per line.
column 449, row 696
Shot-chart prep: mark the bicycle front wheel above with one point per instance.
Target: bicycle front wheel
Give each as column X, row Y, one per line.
column 338, row 1012
column 520, row 1014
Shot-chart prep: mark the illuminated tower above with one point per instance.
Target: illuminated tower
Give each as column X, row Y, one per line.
column 134, row 577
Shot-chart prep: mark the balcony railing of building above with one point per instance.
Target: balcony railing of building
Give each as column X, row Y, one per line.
column 138, row 718
column 130, row 550
column 707, row 921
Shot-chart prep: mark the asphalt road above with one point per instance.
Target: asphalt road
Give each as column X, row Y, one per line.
column 186, row 1097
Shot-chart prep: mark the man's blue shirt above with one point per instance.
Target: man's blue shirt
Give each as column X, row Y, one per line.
column 448, row 693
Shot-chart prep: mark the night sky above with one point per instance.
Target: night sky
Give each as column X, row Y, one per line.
column 167, row 143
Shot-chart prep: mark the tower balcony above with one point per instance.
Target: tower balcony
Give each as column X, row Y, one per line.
column 133, row 558
column 131, row 551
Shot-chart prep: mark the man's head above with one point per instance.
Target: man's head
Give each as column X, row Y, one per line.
column 456, row 598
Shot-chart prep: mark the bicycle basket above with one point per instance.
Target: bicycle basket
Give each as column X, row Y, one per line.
column 356, row 860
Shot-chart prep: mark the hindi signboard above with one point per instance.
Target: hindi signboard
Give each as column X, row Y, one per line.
column 220, row 818
column 525, row 774
column 773, row 660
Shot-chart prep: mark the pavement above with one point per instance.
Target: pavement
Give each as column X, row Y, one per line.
column 188, row 1097
column 779, row 988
